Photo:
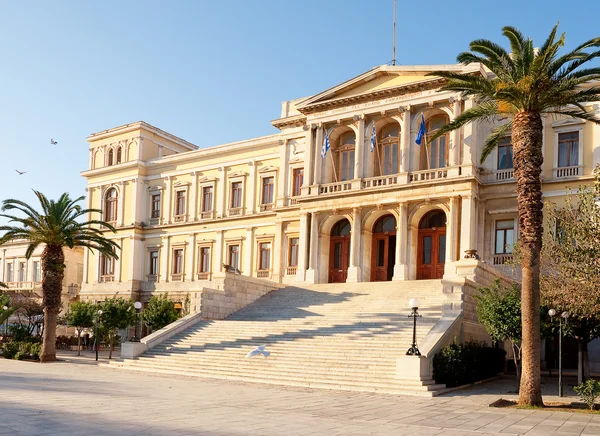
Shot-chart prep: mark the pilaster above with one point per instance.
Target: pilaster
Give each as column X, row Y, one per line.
column 251, row 206
column 303, row 245
column 166, row 208
column 164, row 259
column 355, row 239
column 318, row 160
column 193, row 211
column 313, row 250
column 455, row 144
column 401, row 268
column 405, row 140
column 221, row 196
column 122, row 199
column 217, row 261
column 190, row 258
column 282, row 178
column 359, row 155
column 468, row 225
column 278, row 253
column 309, row 158
column 469, row 143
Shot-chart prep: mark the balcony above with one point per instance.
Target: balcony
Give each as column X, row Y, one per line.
column 266, row 207
column 573, row 171
column 426, row 175
column 374, row 182
column 502, row 259
column 204, row 276
column 507, row 174
column 329, row 188
column 23, row 285
column 263, row 273
column 106, row 278
column 235, row 211
column 206, row 215
column 291, row 270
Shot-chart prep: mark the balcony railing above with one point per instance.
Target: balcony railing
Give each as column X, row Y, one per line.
column 425, row 175
column 374, row 182
column 329, row 188
column 176, row 277
column 501, row 175
column 263, row 273
column 573, row 171
column 152, row 278
column 107, row 278
column 291, row 270
column 502, row 259
column 206, row 215
column 204, row 276
column 235, row 211
column 266, row 207
column 293, row 200
column 22, row 285
column 179, row 218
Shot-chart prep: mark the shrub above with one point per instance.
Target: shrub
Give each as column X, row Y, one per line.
column 461, row 364
column 22, row 350
column 588, row 391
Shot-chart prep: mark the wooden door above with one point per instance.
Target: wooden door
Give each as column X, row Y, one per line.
column 383, row 257
column 339, row 259
column 431, row 254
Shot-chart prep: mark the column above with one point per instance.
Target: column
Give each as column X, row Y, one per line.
column 452, row 252
column 469, row 145
column 164, row 260
column 318, row 176
column 118, row 262
column 401, row 268
column 166, row 209
column 468, row 225
column 309, row 157
column 405, row 141
column 251, row 194
column 190, row 257
column 135, row 216
column 217, row 261
column 313, row 249
column 302, row 247
column 221, row 195
column 122, row 198
column 359, row 153
column 193, row 212
column 455, row 146
column 282, row 178
column 480, row 228
column 355, row 247
column 247, row 269
column 278, row 254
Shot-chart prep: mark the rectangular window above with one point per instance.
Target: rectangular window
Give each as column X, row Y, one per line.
column 236, row 195
column 153, row 263
column 298, row 181
column 390, row 159
column 155, row 201
column 107, row 265
column 267, row 190
column 505, row 154
column 9, row 272
column 204, row 266
column 37, row 271
column 505, row 234
column 22, row 271
column 233, row 256
column 568, row 149
column 180, row 203
column 207, row 199
column 347, row 165
column 264, row 256
column 178, row 261
column 293, row 256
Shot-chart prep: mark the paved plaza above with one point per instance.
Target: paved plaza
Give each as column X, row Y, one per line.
column 70, row 398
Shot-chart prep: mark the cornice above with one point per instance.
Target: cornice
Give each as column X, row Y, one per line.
column 294, row 120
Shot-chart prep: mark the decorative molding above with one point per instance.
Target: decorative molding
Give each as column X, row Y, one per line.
column 268, row 169
column 568, row 122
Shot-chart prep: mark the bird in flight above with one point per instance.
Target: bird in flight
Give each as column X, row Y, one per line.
column 53, row 142
column 259, row 350
column 21, row 172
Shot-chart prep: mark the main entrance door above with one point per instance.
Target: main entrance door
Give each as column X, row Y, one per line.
column 383, row 249
column 431, row 251
column 339, row 252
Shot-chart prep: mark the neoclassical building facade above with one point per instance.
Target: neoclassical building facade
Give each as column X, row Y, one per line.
column 376, row 206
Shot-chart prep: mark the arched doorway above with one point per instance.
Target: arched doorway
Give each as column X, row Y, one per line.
column 431, row 254
column 384, row 249
column 339, row 252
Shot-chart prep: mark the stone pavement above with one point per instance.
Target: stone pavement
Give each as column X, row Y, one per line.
column 67, row 398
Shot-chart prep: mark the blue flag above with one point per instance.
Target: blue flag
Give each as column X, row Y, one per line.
column 373, row 137
column 421, row 132
column 326, row 146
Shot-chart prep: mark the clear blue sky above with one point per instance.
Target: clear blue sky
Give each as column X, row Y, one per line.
column 212, row 72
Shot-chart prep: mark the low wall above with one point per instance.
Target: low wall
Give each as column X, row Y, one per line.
column 232, row 294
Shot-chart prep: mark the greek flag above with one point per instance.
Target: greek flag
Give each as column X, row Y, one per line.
column 421, row 132
column 326, row 145
column 373, row 137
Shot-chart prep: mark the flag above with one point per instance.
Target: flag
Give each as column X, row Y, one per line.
column 373, row 137
column 421, row 132
column 325, row 147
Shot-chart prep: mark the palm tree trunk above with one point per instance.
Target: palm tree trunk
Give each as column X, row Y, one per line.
column 53, row 267
column 528, row 159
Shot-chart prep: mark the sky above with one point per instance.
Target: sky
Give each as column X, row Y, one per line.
column 212, row 72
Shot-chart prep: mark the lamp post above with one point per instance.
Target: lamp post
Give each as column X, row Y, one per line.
column 414, row 305
column 99, row 313
column 564, row 316
column 5, row 325
column 137, row 305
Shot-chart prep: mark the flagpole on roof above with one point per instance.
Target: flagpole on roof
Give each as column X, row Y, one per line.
column 394, row 37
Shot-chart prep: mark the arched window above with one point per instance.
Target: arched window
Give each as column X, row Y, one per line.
column 388, row 150
column 385, row 224
column 436, row 152
column 110, row 205
column 96, row 163
column 342, row 228
column 111, row 157
column 435, row 218
column 119, row 155
column 345, row 156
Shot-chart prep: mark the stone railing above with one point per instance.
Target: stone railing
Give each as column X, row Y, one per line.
column 502, row 175
column 179, row 218
column 263, row 273
column 266, row 207
column 502, row 259
column 329, row 188
column 373, row 182
column 107, row 278
column 235, row 211
column 291, row 270
column 573, row 171
column 425, row 175
column 209, row 214
column 203, row 276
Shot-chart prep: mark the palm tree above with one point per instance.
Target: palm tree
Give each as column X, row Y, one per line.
column 59, row 224
column 525, row 84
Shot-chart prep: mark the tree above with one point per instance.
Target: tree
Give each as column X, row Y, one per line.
column 81, row 316
column 57, row 225
column 523, row 85
column 30, row 315
column 570, row 279
column 117, row 313
column 159, row 312
column 499, row 311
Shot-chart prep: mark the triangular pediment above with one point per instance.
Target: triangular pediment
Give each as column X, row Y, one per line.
column 383, row 80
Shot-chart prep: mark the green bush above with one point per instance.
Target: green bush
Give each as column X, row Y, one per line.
column 588, row 391
column 22, row 350
column 462, row 364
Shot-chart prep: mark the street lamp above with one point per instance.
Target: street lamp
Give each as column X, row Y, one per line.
column 414, row 305
column 137, row 305
column 564, row 316
column 96, row 332
column 5, row 308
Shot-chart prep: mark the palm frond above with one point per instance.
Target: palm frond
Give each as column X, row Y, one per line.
column 494, row 139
